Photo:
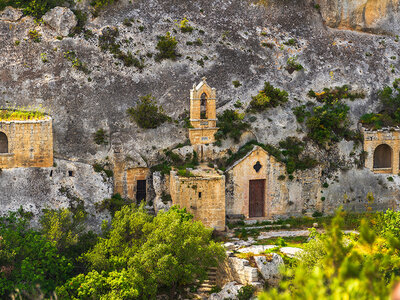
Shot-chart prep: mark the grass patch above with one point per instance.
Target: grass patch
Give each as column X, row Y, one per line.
column 21, row 114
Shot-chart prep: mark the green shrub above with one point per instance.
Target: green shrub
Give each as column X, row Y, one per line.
column 99, row 4
column 267, row 98
column 246, row 292
column 108, row 42
column 35, row 36
column 328, row 123
column 290, row 42
column 292, row 65
column 390, row 109
column 100, row 137
column 147, row 114
column 166, row 47
column 103, row 168
column 236, row 83
column 76, row 62
column 184, row 26
column 113, row 204
column 34, row 8
column 231, row 125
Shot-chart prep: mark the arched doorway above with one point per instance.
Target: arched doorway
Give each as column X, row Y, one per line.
column 3, row 143
column 383, row 157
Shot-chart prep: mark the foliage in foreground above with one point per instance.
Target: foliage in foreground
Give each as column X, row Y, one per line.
column 147, row 114
column 144, row 256
column 27, row 258
column 337, row 267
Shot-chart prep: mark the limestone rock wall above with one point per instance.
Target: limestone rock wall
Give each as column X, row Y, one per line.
column 367, row 15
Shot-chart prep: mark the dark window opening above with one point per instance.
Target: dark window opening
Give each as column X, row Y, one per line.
column 199, row 194
column 203, row 106
column 3, row 143
column 383, row 157
column 70, row 173
column 140, row 191
column 257, row 166
column 51, row 173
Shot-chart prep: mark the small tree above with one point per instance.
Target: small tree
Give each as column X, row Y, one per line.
column 143, row 256
column 167, row 47
column 147, row 114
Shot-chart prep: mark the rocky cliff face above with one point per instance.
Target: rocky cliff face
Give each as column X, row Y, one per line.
column 378, row 16
column 239, row 41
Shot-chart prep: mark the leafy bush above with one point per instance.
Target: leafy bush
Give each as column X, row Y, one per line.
column 113, row 204
column 99, row 4
column 147, row 114
column 34, row 8
column 328, row 123
column 143, row 255
column 267, row 98
column 390, row 109
column 166, row 47
column 28, row 258
column 390, row 223
column 292, row 65
column 184, row 26
column 246, row 292
column 108, row 42
column 231, row 125
column 100, row 137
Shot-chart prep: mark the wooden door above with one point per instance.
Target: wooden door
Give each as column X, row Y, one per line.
column 256, row 198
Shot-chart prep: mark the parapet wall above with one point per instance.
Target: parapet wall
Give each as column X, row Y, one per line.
column 30, row 143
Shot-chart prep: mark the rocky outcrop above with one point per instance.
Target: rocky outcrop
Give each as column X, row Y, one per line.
column 229, row 291
column 269, row 267
column 10, row 14
column 61, row 19
column 368, row 15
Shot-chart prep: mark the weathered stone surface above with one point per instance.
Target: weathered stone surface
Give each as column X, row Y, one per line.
column 241, row 270
column 10, row 14
column 61, row 19
column 367, row 15
column 55, row 187
column 229, row 291
column 256, row 249
column 269, row 267
column 290, row 251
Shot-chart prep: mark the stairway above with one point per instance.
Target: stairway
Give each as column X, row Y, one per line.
column 204, row 289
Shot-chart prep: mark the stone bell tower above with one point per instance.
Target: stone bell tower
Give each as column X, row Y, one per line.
column 203, row 115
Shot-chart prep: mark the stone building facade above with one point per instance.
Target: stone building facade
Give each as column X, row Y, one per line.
column 203, row 117
column 383, row 150
column 26, row 143
column 203, row 195
column 258, row 187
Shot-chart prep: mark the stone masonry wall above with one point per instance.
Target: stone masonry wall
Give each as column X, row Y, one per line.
column 204, row 197
column 30, row 144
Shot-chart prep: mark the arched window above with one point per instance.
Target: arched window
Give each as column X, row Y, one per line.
column 203, row 106
column 3, row 143
column 383, row 157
